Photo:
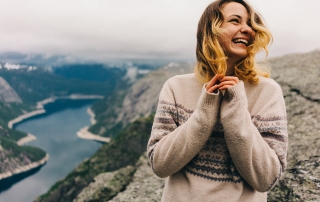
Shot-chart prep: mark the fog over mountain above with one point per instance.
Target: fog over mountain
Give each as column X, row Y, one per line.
column 82, row 31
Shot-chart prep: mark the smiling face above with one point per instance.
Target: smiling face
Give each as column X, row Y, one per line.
column 238, row 33
column 226, row 42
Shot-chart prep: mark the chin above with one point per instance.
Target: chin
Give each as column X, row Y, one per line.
column 238, row 56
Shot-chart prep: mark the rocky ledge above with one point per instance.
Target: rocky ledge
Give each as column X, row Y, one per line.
column 298, row 76
column 25, row 168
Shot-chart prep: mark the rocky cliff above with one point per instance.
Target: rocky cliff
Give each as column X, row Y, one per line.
column 128, row 104
column 297, row 74
column 7, row 93
column 15, row 159
column 23, row 94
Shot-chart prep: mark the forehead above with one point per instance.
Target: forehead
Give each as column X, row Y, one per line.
column 233, row 8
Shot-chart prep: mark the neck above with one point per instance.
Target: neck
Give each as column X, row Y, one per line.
column 231, row 63
column 230, row 69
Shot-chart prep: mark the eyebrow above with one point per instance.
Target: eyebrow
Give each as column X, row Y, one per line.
column 238, row 16
column 235, row 15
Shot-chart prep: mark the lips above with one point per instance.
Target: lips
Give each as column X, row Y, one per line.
column 241, row 41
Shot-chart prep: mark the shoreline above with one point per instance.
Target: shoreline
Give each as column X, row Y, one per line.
column 40, row 106
column 26, row 139
column 25, row 116
column 84, row 133
column 25, row 168
column 92, row 116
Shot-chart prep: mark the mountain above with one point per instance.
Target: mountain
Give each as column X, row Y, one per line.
column 15, row 159
column 27, row 90
column 298, row 76
column 37, row 85
column 120, row 157
column 7, row 93
column 24, row 90
column 112, row 177
column 131, row 102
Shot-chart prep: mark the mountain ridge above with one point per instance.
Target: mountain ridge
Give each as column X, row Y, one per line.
column 7, row 93
column 301, row 181
column 24, row 90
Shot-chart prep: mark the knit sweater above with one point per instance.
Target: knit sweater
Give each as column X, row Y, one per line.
column 224, row 146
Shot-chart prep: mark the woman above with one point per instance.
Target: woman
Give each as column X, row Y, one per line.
column 220, row 134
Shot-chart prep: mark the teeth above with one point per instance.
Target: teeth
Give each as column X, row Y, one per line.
column 241, row 41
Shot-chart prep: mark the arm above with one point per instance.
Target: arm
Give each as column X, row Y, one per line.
column 170, row 146
column 258, row 151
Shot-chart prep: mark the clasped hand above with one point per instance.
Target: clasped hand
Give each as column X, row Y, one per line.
column 221, row 82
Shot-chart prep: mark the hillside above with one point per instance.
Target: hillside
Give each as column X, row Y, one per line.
column 131, row 102
column 22, row 91
column 128, row 146
column 15, row 159
column 298, row 74
column 7, row 93
column 134, row 181
column 37, row 85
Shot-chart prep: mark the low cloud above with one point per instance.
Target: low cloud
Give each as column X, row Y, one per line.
column 56, row 31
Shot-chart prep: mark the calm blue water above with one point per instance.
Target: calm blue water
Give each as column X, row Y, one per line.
column 56, row 134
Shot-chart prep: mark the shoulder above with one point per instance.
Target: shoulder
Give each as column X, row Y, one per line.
column 266, row 85
column 183, row 80
column 270, row 86
column 268, row 82
column 267, row 90
column 182, row 85
column 265, row 97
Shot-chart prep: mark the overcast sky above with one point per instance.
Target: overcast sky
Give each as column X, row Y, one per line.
column 103, row 30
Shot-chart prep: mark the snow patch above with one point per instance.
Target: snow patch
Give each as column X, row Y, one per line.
column 10, row 66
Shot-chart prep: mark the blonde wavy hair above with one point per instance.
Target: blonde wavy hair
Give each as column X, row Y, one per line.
column 211, row 58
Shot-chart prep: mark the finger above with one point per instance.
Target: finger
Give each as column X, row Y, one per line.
column 230, row 78
column 225, row 87
column 213, row 81
column 232, row 83
column 213, row 89
column 226, row 84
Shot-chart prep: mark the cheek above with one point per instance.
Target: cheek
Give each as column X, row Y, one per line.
column 253, row 34
column 225, row 39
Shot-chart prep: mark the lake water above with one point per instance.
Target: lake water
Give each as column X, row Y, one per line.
column 56, row 134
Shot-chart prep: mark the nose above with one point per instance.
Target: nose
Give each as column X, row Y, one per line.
column 246, row 29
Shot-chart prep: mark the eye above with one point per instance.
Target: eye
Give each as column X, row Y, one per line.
column 235, row 20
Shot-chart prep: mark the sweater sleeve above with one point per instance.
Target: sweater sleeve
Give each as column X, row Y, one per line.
column 171, row 146
column 257, row 144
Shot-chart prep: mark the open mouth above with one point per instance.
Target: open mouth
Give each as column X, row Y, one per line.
column 241, row 41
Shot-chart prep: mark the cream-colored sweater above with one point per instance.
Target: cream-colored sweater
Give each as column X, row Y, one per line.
column 215, row 147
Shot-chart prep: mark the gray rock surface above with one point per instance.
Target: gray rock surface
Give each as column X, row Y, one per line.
column 298, row 75
column 106, row 185
column 7, row 93
column 142, row 97
column 145, row 185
